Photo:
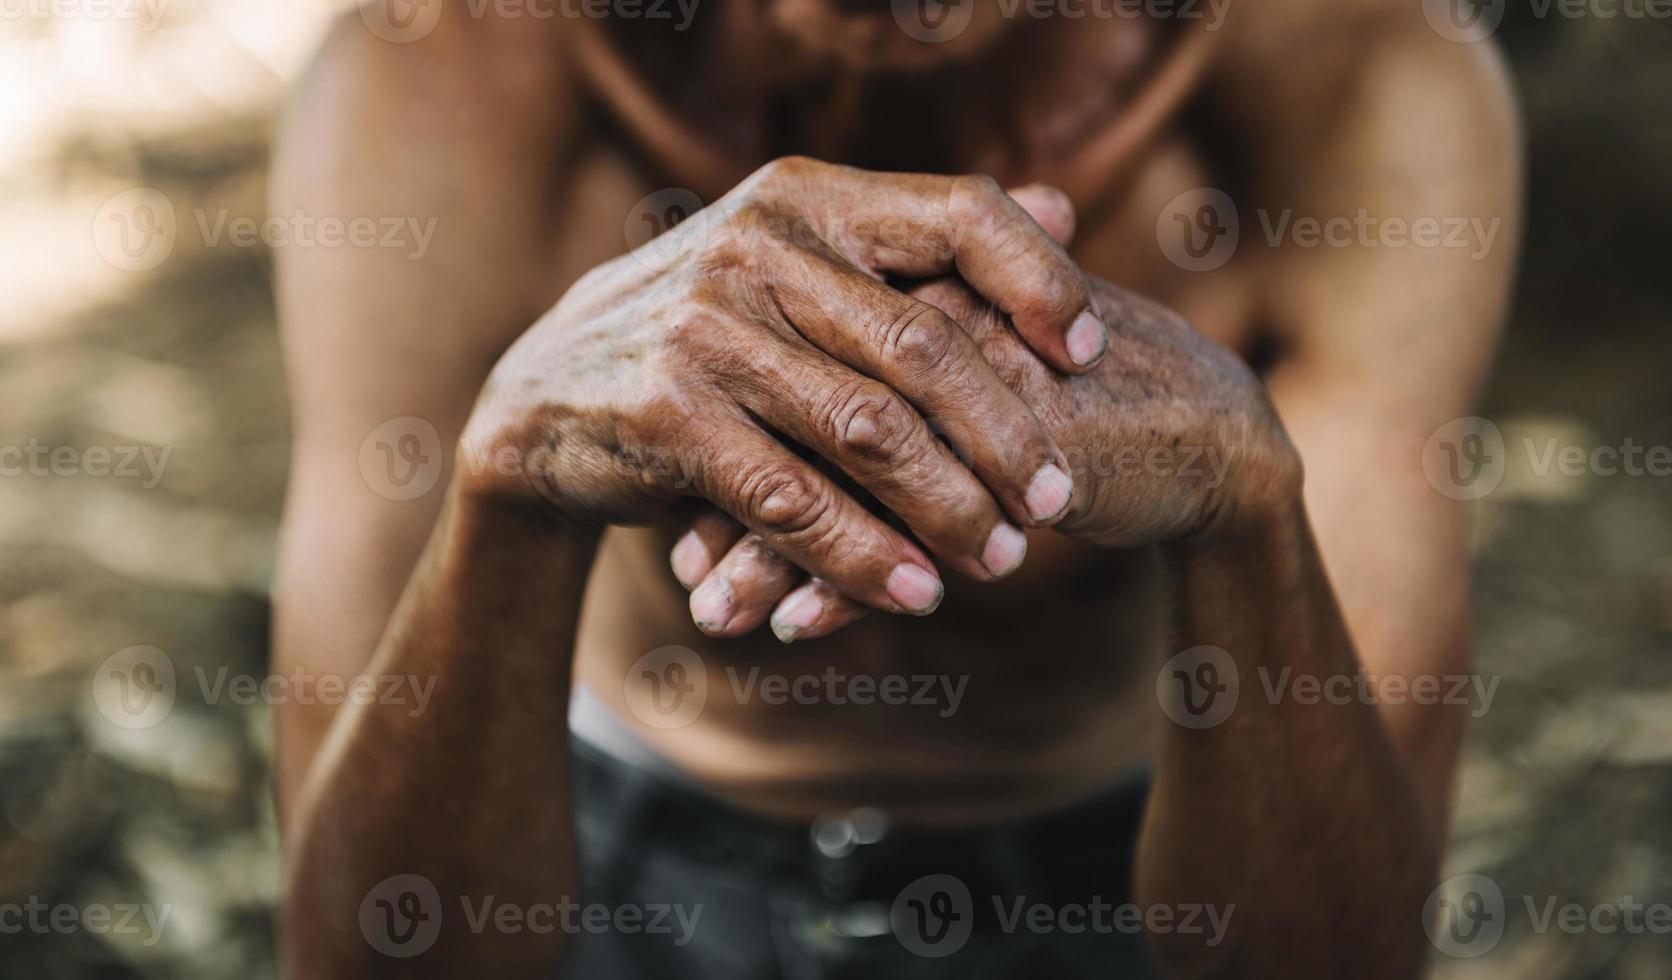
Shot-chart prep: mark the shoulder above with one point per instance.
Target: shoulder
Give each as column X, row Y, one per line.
column 449, row 72
column 459, row 137
column 1303, row 67
column 463, row 128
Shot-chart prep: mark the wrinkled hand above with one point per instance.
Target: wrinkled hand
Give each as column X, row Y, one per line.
column 691, row 367
column 1170, row 438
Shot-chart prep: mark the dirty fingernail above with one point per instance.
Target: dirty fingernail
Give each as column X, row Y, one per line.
column 799, row 611
column 1048, row 493
column 1004, row 550
column 914, row 588
column 1087, row 339
column 690, row 560
column 711, row 605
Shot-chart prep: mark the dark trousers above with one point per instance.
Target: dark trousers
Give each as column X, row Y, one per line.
column 677, row 885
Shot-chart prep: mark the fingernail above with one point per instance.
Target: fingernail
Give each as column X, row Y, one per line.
column 711, row 605
column 1087, row 339
column 1048, row 493
column 799, row 611
column 1004, row 550
column 914, row 588
column 690, row 560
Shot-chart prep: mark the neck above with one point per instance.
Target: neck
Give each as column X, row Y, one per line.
column 709, row 105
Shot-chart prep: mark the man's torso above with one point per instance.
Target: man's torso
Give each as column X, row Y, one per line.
column 1013, row 697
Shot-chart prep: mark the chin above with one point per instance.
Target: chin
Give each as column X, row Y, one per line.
column 873, row 36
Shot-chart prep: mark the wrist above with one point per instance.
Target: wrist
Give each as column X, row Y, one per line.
column 503, row 476
column 1262, row 497
column 484, row 521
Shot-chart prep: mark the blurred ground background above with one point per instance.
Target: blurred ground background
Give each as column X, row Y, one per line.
column 1567, row 781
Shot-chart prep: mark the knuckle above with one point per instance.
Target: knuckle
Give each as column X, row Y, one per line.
column 977, row 199
column 755, row 235
column 922, row 337
column 1017, row 367
column 955, row 299
column 979, row 190
column 1059, row 295
column 698, row 336
column 782, row 170
column 752, row 555
column 731, row 249
column 867, row 421
column 785, row 500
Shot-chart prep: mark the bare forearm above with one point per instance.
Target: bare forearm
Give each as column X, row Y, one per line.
column 1298, row 814
column 470, row 794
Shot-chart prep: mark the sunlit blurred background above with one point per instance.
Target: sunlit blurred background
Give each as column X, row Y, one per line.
column 168, row 360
